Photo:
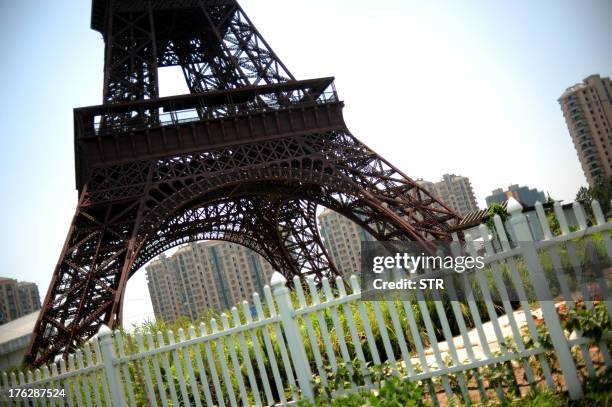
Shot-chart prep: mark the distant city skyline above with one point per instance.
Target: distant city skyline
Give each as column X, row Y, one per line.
column 465, row 87
column 524, row 194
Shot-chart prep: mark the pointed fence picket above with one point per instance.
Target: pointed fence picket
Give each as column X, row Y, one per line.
column 266, row 352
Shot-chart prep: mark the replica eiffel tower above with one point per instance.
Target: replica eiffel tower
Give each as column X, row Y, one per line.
column 245, row 157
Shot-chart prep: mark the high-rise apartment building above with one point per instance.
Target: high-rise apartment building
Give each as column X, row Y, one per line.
column 525, row 195
column 210, row 275
column 342, row 240
column 29, row 299
column 9, row 300
column 17, row 299
column 455, row 191
column 587, row 108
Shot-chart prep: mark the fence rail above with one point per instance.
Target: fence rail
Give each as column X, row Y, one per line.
column 267, row 352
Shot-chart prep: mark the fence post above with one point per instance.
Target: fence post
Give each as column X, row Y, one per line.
column 549, row 311
column 297, row 351
column 107, row 347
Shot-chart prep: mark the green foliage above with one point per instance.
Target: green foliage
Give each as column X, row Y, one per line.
column 397, row 393
column 553, row 223
column 601, row 191
column 593, row 323
column 537, row 397
column 597, row 391
column 584, row 196
column 543, row 340
column 495, row 209
column 344, row 376
column 390, row 391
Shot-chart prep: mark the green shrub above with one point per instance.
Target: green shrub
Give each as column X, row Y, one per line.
column 393, row 392
column 537, row 398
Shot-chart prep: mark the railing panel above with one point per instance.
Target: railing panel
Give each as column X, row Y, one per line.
column 76, row 387
column 270, row 353
column 280, row 341
column 365, row 321
column 350, row 321
column 197, row 351
column 258, row 353
column 213, row 367
column 157, row 372
column 99, row 360
column 93, row 377
column 144, row 362
column 168, row 372
column 339, row 331
column 322, row 326
column 312, row 338
column 124, row 370
column 230, row 345
column 65, row 383
column 222, row 358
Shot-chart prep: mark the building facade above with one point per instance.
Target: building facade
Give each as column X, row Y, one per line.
column 29, row 299
column 587, row 108
column 9, row 300
column 455, row 191
column 210, row 275
column 342, row 240
column 17, row 299
column 525, row 195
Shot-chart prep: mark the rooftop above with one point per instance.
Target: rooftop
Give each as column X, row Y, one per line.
column 572, row 89
column 18, row 330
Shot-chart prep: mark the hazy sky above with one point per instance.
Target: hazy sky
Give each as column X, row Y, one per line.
column 464, row 87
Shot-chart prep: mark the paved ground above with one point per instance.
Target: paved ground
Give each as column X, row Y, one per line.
column 474, row 339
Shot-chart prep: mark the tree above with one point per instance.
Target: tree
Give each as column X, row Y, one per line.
column 495, row 209
column 584, row 196
column 601, row 190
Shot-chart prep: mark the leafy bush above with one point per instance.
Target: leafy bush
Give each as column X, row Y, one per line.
column 592, row 323
column 537, row 397
column 389, row 391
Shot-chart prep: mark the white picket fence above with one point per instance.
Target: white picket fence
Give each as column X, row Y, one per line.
column 266, row 352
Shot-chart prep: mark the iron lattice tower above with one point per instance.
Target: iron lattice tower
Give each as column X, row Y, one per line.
column 246, row 157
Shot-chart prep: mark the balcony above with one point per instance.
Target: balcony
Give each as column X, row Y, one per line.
column 576, row 113
column 125, row 117
column 580, row 124
column 587, row 152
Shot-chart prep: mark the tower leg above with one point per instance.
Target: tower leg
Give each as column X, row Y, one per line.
column 86, row 286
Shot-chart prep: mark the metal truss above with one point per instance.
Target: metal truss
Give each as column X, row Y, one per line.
column 214, row 43
column 251, row 167
column 130, row 64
